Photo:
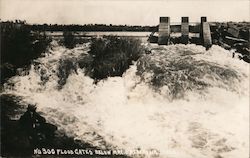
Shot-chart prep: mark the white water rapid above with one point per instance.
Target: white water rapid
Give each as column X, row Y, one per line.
column 180, row 100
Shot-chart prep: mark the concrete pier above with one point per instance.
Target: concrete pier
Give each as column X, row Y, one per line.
column 207, row 39
column 205, row 33
column 203, row 19
column 164, row 31
column 184, row 30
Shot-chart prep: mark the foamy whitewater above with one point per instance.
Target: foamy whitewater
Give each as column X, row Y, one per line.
column 208, row 115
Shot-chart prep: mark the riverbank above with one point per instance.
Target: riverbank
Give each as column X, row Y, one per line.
column 12, row 145
column 14, row 142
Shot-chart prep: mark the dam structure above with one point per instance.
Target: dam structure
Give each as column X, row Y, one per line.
column 166, row 32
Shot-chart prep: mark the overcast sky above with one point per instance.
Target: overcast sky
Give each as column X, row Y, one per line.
column 130, row 12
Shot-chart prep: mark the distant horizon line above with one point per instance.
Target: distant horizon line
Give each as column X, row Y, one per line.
column 30, row 23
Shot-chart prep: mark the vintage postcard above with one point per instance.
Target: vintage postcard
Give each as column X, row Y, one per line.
column 125, row 78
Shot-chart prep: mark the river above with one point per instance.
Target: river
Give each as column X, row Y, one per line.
column 180, row 101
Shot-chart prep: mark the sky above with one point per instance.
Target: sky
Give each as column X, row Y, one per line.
column 129, row 12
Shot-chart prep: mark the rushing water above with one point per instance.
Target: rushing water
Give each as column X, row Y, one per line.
column 180, row 101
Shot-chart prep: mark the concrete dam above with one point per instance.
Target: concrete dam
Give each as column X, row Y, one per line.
column 166, row 31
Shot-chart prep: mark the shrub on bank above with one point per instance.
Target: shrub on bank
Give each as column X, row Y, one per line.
column 112, row 55
column 19, row 46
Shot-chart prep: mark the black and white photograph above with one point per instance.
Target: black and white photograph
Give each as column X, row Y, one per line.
column 125, row 78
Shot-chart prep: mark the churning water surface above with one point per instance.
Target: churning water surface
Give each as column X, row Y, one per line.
column 179, row 100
